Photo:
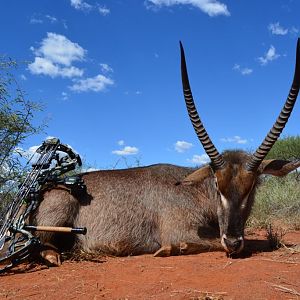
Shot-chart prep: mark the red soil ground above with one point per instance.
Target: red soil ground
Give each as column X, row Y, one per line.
column 261, row 274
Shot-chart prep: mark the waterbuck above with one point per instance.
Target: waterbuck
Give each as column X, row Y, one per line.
column 166, row 209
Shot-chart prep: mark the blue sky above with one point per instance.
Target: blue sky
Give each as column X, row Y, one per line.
column 108, row 73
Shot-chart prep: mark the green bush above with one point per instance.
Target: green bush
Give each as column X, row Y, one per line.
column 277, row 201
column 17, row 123
column 286, row 148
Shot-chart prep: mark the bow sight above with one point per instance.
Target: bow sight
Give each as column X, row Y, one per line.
column 16, row 240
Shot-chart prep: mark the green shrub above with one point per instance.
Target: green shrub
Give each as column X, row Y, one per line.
column 277, row 200
column 17, row 123
column 286, row 148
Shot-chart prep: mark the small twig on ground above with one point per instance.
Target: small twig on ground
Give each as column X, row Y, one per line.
column 200, row 295
column 278, row 261
column 286, row 290
column 293, row 249
column 229, row 263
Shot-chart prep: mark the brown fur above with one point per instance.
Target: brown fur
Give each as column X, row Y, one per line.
column 130, row 211
column 142, row 210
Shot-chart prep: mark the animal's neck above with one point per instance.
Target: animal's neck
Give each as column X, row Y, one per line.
column 208, row 196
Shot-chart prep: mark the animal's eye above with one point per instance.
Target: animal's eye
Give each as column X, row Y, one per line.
column 243, row 206
column 244, row 203
column 216, row 184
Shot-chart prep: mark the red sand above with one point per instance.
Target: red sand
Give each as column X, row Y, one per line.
column 260, row 275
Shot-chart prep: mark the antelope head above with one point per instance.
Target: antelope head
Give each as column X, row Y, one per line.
column 236, row 174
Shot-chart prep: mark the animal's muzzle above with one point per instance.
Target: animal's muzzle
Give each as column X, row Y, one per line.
column 232, row 245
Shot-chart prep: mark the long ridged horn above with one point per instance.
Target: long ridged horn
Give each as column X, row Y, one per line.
column 281, row 121
column 210, row 149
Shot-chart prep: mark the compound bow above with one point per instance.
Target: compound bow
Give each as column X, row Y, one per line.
column 16, row 239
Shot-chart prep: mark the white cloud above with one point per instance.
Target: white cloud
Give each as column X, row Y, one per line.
column 42, row 19
column 64, row 96
column 35, row 20
column 104, row 11
column 137, row 92
column 199, row 159
column 236, row 67
column 276, row 29
column 4, row 170
column 51, row 18
column 23, row 77
column 236, row 139
column 58, row 49
column 31, row 153
column 86, row 7
column 43, row 66
column 105, row 68
column 127, row 150
column 294, row 30
column 55, row 57
column 243, row 71
column 64, row 23
column 269, row 56
column 95, row 84
column 121, row 143
column 182, row 146
column 210, row 7
column 81, row 5
column 246, row 71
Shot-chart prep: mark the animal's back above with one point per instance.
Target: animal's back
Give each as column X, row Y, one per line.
column 124, row 212
column 130, row 211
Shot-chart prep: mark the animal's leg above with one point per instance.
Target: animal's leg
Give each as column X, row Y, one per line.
column 58, row 208
column 166, row 251
column 185, row 248
column 50, row 255
column 194, row 248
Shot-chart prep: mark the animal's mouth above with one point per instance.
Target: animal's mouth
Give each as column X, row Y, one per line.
column 232, row 245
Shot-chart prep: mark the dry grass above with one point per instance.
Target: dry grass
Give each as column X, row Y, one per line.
column 208, row 296
column 192, row 294
column 79, row 255
column 277, row 201
column 275, row 236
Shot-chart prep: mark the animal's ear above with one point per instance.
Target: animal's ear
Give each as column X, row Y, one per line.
column 197, row 176
column 278, row 167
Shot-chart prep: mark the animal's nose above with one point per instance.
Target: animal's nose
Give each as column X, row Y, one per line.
column 233, row 245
